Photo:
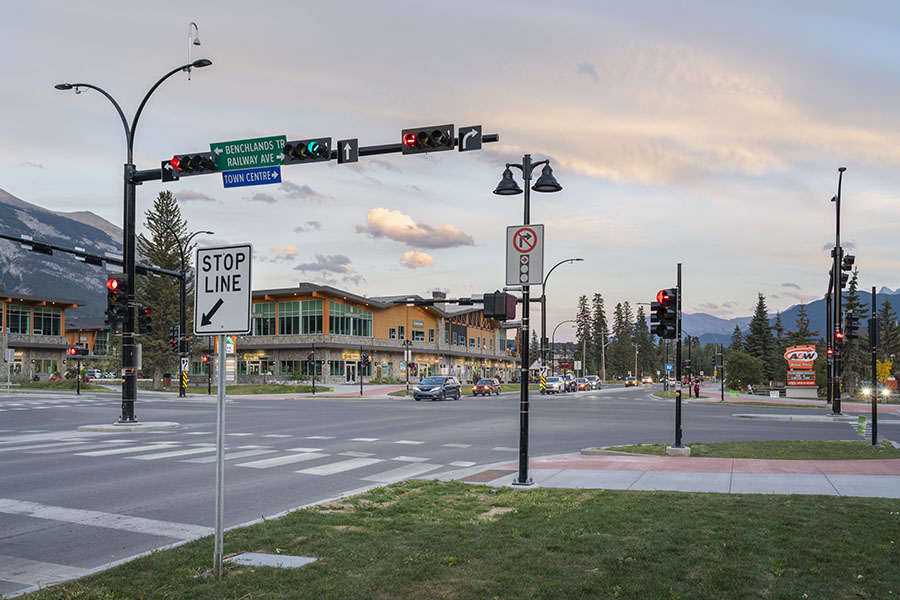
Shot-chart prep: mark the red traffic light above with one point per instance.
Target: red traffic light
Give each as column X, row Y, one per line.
column 205, row 358
column 113, row 284
column 829, row 352
column 409, row 140
column 73, row 351
column 147, row 310
column 839, row 335
column 176, row 163
column 662, row 296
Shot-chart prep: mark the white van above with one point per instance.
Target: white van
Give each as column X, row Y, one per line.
column 93, row 374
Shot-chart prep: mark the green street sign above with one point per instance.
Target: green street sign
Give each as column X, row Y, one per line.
column 247, row 154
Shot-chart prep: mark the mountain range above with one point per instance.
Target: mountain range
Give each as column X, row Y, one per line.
column 62, row 276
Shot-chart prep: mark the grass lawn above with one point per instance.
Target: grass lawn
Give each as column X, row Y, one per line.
column 452, row 540
column 792, row 450
column 65, row 384
column 268, row 388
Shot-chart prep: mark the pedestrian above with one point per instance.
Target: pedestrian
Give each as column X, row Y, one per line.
column 697, row 388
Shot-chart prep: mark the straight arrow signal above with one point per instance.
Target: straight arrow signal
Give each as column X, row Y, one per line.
column 207, row 317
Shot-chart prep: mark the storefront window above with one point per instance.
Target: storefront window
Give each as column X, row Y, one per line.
column 263, row 315
column 288, row 318
column 18, row 319
column 311, row 321
column 101, row 344
column 289, row 367
column 349, row 320
column 336, row 368
column 46, row 321
column 46, row 366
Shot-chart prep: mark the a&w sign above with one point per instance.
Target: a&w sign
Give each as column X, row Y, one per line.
column 800, row 357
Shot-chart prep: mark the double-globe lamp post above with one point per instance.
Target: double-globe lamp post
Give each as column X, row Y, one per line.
column 129, row 376
column 182, row 302
column 544, row 307
column 508, row 187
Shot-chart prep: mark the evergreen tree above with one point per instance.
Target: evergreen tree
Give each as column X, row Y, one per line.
column 802, row 335
column 620, row 353
column 737, row 340
column 759, row 342
column 599, row 331
column 534, row 349
column 856, row 362
column 889, row 331
column 643, row 342
column 780, row 345
column 162, row 294
column 583, row 334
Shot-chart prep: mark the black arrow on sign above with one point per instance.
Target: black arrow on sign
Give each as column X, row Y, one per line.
column 207, row 317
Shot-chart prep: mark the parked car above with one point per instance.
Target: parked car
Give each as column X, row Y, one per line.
column 555, row 385
column 595, row 381
column 93, row 374
column 583, row 385
column 630, row 381
column 571, row 386
column 437, row 387
column 486, row 387
column 647, row 379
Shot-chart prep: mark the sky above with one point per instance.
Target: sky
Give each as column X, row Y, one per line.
column 702, row 133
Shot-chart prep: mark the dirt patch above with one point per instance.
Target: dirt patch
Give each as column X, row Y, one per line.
column 495, row 512
column 347, row 528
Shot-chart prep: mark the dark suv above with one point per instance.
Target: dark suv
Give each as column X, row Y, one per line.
column 437, row 387
column 571, row 386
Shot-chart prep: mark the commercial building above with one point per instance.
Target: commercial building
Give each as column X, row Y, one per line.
column 339, row 327
column 33, row 330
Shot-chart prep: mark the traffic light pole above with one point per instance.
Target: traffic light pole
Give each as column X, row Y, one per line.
column 678, row 443
column 873, row 342
column 836, row 275
column 131, row 180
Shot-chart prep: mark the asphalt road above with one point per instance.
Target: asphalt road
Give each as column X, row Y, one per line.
column 72, row 501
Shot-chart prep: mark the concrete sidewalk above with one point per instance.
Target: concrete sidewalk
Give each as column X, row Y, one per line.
column 864, row 478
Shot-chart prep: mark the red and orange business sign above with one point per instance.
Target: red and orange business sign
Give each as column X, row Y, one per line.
column 801, row 357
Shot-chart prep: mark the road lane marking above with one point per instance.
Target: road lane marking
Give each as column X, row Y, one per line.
column 409, row 442
column 303, row 450
column 401, row 473
column 505, row 449
column 129, row 450
column 364, row 440
column 281, row 460
column 34, row 572
column 356, row 454
column 456, row 445
column 320, row 437
column 229, row 456
column 94, row 518
column 340, row 467
column 462, row 463
column 172, row 454
column 414, row 459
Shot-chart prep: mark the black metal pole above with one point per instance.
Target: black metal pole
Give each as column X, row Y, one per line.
column 359, row 370
column 829, row 352
column 182, row 384
column 873, row 342
column 315, row 363
column 129, row 376
column 678, row 443
column 525, row 330
column 543, row 330
column 209, row 369
column 78, row 377
column 838, row 256
column 722, row 372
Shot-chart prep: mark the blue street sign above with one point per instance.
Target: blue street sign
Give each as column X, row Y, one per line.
column 257, row 176
column 669, row 367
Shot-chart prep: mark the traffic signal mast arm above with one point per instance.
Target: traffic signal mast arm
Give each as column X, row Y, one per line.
column 157, row 174
column 87, row 257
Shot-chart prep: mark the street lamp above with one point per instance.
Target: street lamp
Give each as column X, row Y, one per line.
column 836, row 371
column 129, row 379
column 543, row 345
column 553, row 336
column 182, row 300
column 546, row 183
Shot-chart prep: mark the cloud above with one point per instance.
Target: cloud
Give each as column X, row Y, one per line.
column 414, row 260
column 399, row 227
column 188, row 195
column 293, row 191
column 310, row 225
column 803, row 298
column 333, row 263
column 586, row 68
column 285, row 253
column 262, row 197
column 845, row 244
column 31, row 165
column 791, row 285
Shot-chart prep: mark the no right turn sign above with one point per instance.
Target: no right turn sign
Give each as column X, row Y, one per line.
column 524, row 254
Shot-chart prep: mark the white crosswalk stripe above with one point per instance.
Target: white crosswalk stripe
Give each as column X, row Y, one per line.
column 129, row 450
column 341, row 466
column 34, row 572
column 364, row 440
column 38, row 446
column 401, row 473
column 228, row 456
column 277, row 461
column 410, row 458
column 409, row 442
column 80, row 446
column 172, row 454
column 456, row 445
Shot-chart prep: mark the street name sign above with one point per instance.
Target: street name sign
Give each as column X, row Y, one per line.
column 524, row 254
column 257, row 176
column 222, row 290
column 245, row 154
